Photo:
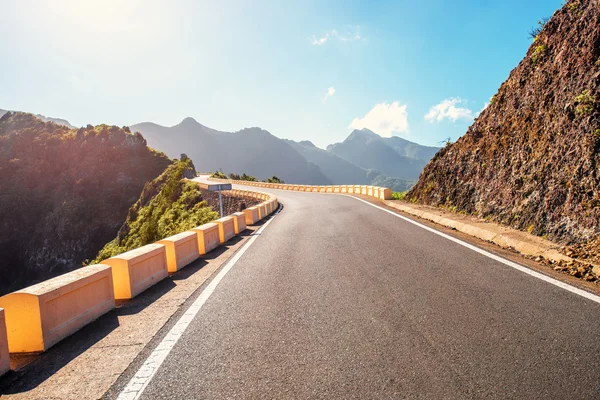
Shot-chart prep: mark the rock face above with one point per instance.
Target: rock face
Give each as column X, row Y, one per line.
column 64, row 193
column 532, row 158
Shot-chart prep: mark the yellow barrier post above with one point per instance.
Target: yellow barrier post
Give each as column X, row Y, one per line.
column 226, row 229
column 322, row 189
column 181, row 249
column 41, row 315
column 329, row 189
column 208, row 237
column 4, row 356
column 263, row 209
column 239, row 222
column 385, row 194
column 136, row 270
column 370, row 191
column 363, row 189
column 336, row 189
column 344, row 189
column 251, row 215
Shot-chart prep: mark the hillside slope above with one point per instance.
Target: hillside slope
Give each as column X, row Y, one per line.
column 253, row 151
column 64, row 193
column 168, row 205
column 532, row 158
column 392, row 156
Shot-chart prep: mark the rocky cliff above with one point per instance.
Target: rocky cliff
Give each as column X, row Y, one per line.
column 532, row 158
column 64, row 193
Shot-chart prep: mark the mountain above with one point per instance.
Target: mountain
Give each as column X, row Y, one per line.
column 253, row 151
column 57, row 121
column 336, row 169
column 64, row 193
column 531, row 160
column 393, row 156
column 340, row 171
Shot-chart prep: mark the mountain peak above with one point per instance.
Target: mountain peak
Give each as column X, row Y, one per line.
column 362, row 133
column 307, row 143
column 189, row 121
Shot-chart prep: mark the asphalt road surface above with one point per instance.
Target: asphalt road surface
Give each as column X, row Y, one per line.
column 338, row 299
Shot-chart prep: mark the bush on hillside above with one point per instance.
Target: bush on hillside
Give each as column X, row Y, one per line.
column 168, row 205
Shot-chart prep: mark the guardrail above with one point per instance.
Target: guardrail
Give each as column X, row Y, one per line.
column 366, row 190
column 41, row 315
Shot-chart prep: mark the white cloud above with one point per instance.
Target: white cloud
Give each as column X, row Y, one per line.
column 448, row 109
column 320, row 41
column 351, row 36
column 384, row 119
column 330, row 92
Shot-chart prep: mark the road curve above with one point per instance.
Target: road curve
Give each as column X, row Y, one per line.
column 338, row 299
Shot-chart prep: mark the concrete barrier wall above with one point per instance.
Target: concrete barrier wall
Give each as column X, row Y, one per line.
column 41, row 315
column 136, row 270
column 252, row 216
column 208, row 237
column 385, row 194
column 182, row 249
column 366, row 190
column 226, row 228
column 239, row 222
column 4, row 356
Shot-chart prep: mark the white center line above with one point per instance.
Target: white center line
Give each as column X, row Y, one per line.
column 504, row 261
column 134, row 389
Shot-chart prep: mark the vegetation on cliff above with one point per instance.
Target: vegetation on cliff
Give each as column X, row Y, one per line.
column 168, row 205
column 531, row 160
column 64, row 193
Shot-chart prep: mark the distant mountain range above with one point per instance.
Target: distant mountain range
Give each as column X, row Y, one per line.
column 57, row 121
column 363, row 158
column 253, row 151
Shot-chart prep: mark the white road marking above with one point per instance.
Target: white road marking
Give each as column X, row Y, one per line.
column 504, row 261
column 134, row 389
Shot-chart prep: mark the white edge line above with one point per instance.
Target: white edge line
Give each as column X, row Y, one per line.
column 504, row 261
column 135, row 387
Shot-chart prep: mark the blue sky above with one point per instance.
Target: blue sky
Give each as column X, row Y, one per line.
column 310, row 70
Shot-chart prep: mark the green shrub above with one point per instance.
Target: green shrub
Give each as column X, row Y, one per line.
column 574, row 6
column 399, row 195
column 168, row 205
column 274, row 179
column 218, row 175
column 539, row 53
column 242, row 177
column 585, row 103
column 536, row 30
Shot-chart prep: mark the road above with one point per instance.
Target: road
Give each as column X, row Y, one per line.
column 338, row 299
